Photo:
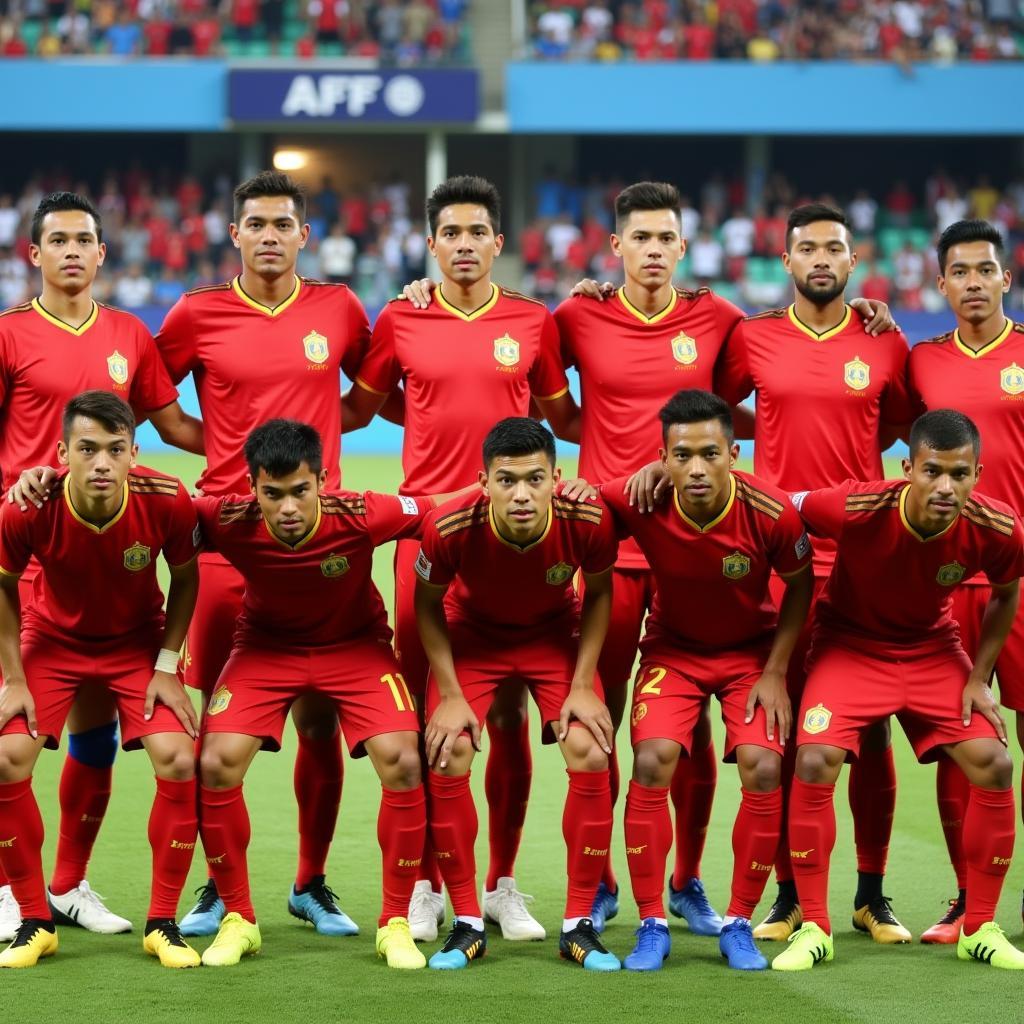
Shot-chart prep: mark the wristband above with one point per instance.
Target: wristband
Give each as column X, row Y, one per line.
column 167, row 661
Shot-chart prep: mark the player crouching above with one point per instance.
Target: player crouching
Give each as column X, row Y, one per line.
column 95, row 623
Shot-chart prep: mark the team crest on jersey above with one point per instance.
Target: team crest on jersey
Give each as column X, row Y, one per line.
column 735, row 566
column 950, row 575
column 117, row 367
column 219, row 701
column 1011, row 379
column 316, row 347
column 558, row 574
column 817, row 719
column 857, row 374
column 136, row 557
column 506, row 350
column 334, row 565
column 639, row 713
column 684, row 349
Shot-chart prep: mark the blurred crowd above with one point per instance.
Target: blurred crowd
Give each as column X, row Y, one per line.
column 765, row 30
column 403, row 32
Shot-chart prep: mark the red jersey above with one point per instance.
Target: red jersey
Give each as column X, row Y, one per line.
column 252, row 364
column 496, row 585
column 821, row 399
column 630, row 365
column 99, row 582
column 44, row 363
column 712, row 580
column 462, row 372
column 890, row 586
column 318, row 591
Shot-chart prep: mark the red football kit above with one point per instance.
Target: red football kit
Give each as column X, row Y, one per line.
column 252, row 364
column 95, row 616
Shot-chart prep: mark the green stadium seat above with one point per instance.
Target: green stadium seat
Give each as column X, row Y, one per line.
column 890, row 240
column 30, row 32
column 329, row 50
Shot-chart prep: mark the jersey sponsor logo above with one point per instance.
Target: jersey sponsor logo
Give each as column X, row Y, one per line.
column 684, row 349
column 735, row 566
column 559, row 573
column 423, row 566
column 802, row 548
column 409, row 506
column 506, row 350
column 639, row 713
column 117, row 367
column 315, row 346
column 219, row 701
column 857, row 374
column 334, row 565
column 137, row 557
column 817, row 719
column 951, row 574
column 1011, row 379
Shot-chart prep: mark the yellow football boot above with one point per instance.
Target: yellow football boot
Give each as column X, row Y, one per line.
column 395, row 944
column 235, row 939
column 877, row 919
column 32, row 942
column 783, row 919
column 164, row 941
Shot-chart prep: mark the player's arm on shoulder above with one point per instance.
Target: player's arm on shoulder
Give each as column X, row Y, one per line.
column 648, row 486
column 33, row 487
column 995, row 627
column 15, row 698
column 823, row 510
column 592, row 289
column 877, row 316
column 419, row 293
column 179, row 428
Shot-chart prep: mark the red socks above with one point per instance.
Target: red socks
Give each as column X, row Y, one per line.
column 812, row 834
column 872, row 801
column 693, row 792
column 318, row 777
column 224, row 826
column 173, row 827
column 587, row 828
column 755, row 837
column 401, row 824
column 989, row 826
column 84, row 794
column 507, row 779
column 21, row 848
column 953, row 791
column 648, row 829
column 453, row 828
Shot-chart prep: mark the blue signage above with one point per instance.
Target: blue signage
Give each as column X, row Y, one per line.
column 356, row 96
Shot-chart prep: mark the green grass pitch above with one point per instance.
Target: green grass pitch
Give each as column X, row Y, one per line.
column 300, row 976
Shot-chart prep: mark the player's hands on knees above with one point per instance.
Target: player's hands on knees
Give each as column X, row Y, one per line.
column 588, row 709
column 648, row 486
column 770, row 692
column 15, row 699
column 877, row 316
column 576, row 490
column 166, row 688
column 34, row 485
column 590, row 289
column 978, row 696
column 418, row 292
column 449, row 721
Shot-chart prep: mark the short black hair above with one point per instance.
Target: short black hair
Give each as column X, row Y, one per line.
column 57, row 202
column 466, row 188
column 646, row 195
column 696, row 406
column 516, row 436
column 967, row 231
column 110, row 412
column 280, row 446
column 942, row 430
column 270, row 183
column 811, row 213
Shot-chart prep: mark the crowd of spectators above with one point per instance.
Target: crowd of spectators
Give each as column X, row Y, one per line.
column 902, row 31
column 402, row 32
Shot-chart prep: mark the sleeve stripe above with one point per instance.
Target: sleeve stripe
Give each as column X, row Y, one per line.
column 13, row 575
column 795, row 572
column 181, row 565
column 362, row 383
column 551, row 398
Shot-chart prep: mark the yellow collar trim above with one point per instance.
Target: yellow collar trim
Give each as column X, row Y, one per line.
column 643, row 317
column 910, row 529
column 714, row 522
column 512, row 544
column 814, row 335
column 477, row 313
column 236, row 287
column 76, row 515
column 57, row 322
column 299, row 543
column 988, row 346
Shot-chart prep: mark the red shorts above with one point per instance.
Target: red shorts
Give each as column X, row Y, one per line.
column 968, row 610
column 259, row 684
column 632, row 594
column 545, row 665
column 849, row 690
column 212, row 631
column 673, row 683
column 58, row 671
column 408, row 648
column 796, row 675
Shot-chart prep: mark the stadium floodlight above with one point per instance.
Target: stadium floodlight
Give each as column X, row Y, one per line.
column 290, row 159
